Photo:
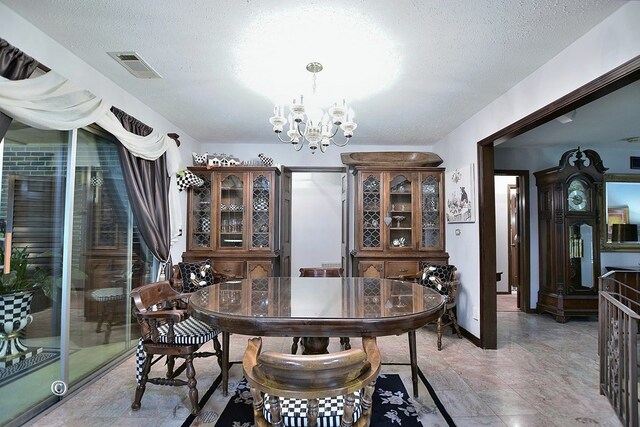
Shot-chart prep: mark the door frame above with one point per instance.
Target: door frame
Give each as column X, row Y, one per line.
column 610, row 81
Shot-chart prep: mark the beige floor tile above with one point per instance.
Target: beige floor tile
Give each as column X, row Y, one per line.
column 542, row 374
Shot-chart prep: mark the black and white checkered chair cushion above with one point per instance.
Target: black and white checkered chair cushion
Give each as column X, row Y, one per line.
column 107, row 294
column 190, row 331
column 294, row 411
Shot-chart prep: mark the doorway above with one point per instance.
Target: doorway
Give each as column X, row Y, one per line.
column 603, row 85
column 313, row 218
column 512, row 240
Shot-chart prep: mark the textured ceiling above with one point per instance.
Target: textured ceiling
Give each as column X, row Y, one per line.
column 453, row 57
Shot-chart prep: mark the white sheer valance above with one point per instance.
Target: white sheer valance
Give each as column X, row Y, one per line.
column 49, row 102
column 52, row 102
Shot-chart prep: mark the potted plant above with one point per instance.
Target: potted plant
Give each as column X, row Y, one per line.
column 16, row 293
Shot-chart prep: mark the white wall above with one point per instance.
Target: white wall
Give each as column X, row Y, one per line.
column 608, row 45
column 316, row 220
column 44, row 49
column 502, row 229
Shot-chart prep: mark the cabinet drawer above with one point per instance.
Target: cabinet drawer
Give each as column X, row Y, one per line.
column 400, row 268
column 235, row 268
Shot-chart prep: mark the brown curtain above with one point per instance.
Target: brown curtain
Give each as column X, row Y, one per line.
column 14, row 65
column 147, row 185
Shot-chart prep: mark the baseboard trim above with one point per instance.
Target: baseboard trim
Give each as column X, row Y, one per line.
column 468, row 335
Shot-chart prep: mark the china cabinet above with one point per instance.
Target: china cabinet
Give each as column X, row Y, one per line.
column 569, row 235
column 232, row 219
column 399, row 220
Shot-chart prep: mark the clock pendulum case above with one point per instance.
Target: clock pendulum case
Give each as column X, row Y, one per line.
column 569, row 235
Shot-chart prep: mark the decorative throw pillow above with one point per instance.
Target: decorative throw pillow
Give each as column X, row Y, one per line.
column 188, row 179
column 435, row 275
column 195, row 275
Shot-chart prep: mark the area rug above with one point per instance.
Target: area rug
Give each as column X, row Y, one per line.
column 392, row 404
column 24, row 367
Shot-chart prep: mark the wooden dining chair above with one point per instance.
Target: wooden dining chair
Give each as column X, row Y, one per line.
column 329, row 389
column 442, row 278
column 321, row 272
column 167, row 330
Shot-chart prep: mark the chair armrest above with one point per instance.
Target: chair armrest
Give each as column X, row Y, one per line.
column 222, row 277
column 174, row 315
column 409, row 277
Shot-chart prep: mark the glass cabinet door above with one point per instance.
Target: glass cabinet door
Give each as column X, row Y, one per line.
column 261, row 212
column 371, row 221
column 430, row 233
column 232, row 211
column 582, row 275
column 401, row 211
column 201, row 215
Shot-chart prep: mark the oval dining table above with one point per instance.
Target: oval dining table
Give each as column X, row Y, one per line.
column 317, row 308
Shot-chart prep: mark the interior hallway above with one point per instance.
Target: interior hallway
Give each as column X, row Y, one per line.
column 543, row 374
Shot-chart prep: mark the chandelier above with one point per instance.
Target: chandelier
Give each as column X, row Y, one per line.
column 318, row 130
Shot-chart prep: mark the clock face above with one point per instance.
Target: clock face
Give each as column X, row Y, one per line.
column 577, row 200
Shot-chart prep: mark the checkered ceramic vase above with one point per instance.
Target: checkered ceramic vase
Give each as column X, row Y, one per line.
column 15, row 315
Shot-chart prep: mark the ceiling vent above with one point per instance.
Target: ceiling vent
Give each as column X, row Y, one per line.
column 135, row 65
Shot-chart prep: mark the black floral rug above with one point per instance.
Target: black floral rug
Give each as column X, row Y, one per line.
column 392, row 404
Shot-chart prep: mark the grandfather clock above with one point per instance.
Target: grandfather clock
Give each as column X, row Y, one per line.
column 569, row 235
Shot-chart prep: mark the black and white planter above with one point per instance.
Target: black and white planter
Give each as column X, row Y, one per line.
column 15, row 315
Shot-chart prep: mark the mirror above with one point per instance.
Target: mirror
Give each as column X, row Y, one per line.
column 621, row 213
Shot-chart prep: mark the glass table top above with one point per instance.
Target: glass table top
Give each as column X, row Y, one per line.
column 315, row 298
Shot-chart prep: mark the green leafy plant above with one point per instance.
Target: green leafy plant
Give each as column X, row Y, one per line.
column 21, row 277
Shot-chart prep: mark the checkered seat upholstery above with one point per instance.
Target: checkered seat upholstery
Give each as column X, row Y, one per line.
column 167, row 331
column 330, row 410
column 306, row 390
column 189, row 331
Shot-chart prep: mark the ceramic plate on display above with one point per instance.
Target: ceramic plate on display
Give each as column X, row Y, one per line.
column 261, row 204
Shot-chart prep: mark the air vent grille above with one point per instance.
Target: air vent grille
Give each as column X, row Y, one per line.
column 137, row 66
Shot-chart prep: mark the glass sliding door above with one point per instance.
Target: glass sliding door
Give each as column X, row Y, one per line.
column 32, row 205
column 107, row 259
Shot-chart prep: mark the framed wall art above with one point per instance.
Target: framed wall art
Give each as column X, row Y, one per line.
column 460, row 190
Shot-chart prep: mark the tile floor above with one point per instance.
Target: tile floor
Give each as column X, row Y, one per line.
column 543, row 374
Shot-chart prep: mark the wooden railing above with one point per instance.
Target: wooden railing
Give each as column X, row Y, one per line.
column 618, row 344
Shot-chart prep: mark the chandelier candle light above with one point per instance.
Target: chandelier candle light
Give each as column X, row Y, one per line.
column 318, row 130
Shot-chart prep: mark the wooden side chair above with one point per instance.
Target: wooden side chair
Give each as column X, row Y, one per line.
column 442, row 278
column 321, row 272
column 329, row 389
column 167, row 330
